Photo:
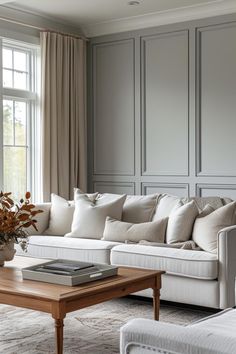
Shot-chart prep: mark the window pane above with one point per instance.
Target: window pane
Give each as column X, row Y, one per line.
column 7, row 58
column 20, row 123
column 20, row 61
column 7, row 78
column 15, row 171
column 8, row 132
column 20, row 80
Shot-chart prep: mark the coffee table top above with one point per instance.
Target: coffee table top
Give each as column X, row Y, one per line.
column 11, row 281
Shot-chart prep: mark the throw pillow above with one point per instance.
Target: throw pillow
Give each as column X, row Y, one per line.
column 180, row 223
column 42, row 219
column 90, row 216
column 61, row 215
column 165, row 205
column 139, row 208
column 208, row 209
column 201, row 202
column 206, row 229
column 120, row 231
column 92, row 196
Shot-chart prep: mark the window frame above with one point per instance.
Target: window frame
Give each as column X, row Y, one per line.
column 31, row 97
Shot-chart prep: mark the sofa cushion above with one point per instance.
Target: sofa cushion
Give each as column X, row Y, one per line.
column 120, row 231
column 166, row 203
column 206, row 229
column 139, row 208
column 222, row 323
column 201, row 202
column 54, row 247
column 61, row 215
column 90, row 216
column 192, row 264
column 42, row 219
column 180, row 223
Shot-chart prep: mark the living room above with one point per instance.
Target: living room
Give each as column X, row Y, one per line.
column 118, row 117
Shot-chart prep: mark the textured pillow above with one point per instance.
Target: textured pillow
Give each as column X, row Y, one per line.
column 205, row 229
column 139, row 208
column 120, row 231
column 89, row 217
column 201, row 202
column 61, row 215
column 208, row 209
column 165, row 205
column 180, row 223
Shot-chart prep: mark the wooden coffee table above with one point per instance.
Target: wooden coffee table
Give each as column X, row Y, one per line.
column 58, row 300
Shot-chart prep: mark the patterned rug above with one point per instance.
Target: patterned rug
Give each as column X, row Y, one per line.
column 94, row 330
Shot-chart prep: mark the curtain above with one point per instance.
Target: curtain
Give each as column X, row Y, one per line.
column 64, row 128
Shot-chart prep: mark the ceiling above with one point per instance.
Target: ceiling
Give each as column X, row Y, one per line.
column 97, row 17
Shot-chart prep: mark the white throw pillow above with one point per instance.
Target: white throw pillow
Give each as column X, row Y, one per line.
column 180, row 223
column 139, row 208
column 120, row 231
column 90, row 216
column 61, row 215
column 166, row 203
column 92, row 196
column 206, row 229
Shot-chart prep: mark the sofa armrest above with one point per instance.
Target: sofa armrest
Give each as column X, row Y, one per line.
column 149, row 337
column 42, row 219
column 227, row 266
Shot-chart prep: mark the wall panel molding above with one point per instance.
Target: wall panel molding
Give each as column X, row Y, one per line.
column 162, row 109
column 222, row 190
column 164, row 105
column 115, row 187
column 216, row 100
column 180, row 189
column 113, row 108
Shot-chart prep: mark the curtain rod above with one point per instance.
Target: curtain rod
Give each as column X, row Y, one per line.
column 41, row 29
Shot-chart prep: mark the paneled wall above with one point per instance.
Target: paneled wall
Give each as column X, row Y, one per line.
column 162, row 110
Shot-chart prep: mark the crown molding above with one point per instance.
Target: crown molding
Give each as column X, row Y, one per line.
column 221, row 7
column 12, row 13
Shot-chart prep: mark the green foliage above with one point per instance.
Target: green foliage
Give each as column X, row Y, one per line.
column 15, row 157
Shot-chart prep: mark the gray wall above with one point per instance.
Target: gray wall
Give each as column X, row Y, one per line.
column 162, row 110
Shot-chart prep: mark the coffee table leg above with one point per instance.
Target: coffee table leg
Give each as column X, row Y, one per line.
column 156, row 303
column 59, row 335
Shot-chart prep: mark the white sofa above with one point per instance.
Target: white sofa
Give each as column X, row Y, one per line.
column 212, row 335
column 192, row 276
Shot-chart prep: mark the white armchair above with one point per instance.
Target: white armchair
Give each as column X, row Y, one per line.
column 214, row 335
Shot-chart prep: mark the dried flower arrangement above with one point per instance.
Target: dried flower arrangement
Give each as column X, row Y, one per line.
column 15, row 218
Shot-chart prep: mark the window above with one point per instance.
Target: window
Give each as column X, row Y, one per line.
column 19, row 119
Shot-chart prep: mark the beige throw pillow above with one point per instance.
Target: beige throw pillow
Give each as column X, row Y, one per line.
column 139, row 208
column 120, row 231
column 166, row 203
column 206, row 228
column 42, row 219
column 90, row 216
column 180, row 223
column 61, row 215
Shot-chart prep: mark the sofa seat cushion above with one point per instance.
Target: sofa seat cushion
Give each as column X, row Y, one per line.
column 70, row 248
column 223, row 323
column 188, row 263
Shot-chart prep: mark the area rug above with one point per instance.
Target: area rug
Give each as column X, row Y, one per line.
column 94, row 330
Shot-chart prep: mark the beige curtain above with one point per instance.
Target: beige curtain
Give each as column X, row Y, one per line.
column 64, row 158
